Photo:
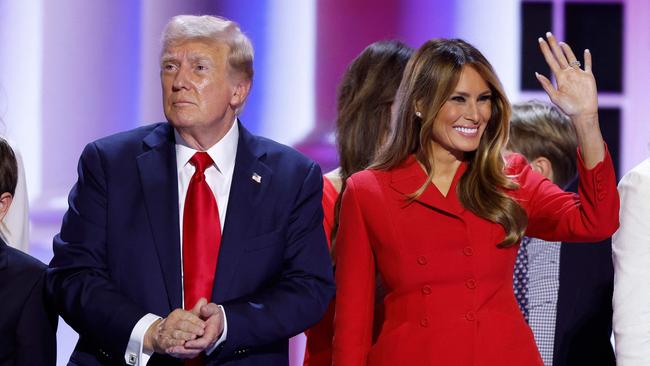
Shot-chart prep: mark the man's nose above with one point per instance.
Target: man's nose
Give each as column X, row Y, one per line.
column 181, row 79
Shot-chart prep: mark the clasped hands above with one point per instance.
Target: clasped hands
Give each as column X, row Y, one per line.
column 186, row 333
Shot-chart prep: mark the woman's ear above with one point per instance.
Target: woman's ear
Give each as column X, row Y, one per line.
column 419, row 111
column 5, row 202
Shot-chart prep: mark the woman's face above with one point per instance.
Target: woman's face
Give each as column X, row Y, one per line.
column 460, row 123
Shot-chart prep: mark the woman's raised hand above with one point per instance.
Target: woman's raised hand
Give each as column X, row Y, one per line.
column 576, row 92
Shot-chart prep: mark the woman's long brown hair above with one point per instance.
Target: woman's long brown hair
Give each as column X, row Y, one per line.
column 365, row 96
column 429, row 80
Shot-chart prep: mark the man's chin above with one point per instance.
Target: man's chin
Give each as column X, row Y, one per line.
column 182, row 123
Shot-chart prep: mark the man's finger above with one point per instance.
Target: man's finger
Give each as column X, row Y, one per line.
column 167, row 341
column 185, row 336
column 209, row 310
column 213, row 330
column 196, row 310
column 182, row 352
column 191, row 327
column 199, row 343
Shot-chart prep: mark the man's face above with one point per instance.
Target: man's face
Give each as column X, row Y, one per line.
column 199, row 92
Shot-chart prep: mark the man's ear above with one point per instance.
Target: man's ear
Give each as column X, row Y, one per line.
column 5, row 202
column 543, row 166
column 242, row 88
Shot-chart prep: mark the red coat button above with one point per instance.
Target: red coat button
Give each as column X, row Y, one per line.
column 422, row 260
column 468, row 251
column 470, row 316
column 426, row 289
column 424, row 322
column 471, row 283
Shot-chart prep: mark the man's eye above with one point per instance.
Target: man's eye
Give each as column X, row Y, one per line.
column 201, row 67
column 169, row 67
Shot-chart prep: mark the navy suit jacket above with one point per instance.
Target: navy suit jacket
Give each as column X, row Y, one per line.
column 583, row 325
column 27, row 324
column 117, row 256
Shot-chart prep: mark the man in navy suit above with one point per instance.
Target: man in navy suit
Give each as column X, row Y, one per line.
column 27, row 324
column 568, row 295
column 131, row 259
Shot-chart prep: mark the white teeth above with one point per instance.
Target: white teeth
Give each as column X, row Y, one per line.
column 466, row 129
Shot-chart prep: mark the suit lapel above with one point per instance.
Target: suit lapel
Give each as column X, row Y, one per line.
column 409, row 177
column 157, row 167
column 251, row 178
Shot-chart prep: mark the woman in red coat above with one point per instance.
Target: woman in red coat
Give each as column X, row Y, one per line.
column 364, row 101
column 441, row 213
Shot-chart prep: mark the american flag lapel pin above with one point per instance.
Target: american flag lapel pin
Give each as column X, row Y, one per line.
column 257, row 178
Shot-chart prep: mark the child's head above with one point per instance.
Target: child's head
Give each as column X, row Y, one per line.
column 8, row 176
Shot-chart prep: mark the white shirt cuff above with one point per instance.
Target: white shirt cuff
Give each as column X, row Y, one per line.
column 135, row 355
column 223, row 334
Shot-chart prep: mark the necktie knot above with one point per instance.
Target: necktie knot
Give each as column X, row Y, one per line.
column 201, row 161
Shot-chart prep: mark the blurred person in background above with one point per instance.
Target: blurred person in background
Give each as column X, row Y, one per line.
column 563, row 289
column 365, row 96
column 14, row 230
column 28, row 322
column 631, row 247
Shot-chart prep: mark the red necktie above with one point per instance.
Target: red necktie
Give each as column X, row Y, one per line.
column 201, row 236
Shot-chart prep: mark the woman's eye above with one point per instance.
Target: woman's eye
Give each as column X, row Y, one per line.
column 484, row 98
column 458, row 98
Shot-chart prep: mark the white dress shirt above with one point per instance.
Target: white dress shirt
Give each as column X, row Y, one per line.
column 219, row 179
column 631, row 252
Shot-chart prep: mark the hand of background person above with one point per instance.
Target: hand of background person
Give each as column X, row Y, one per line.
column 213, row 316
column 576, row 92
column 177, row 328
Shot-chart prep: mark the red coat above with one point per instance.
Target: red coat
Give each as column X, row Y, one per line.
column 318, row 351
column 449, row 288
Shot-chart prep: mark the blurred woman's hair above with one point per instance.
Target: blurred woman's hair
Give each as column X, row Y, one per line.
column 365, row 96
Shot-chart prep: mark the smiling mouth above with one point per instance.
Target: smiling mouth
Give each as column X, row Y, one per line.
column 467, row 131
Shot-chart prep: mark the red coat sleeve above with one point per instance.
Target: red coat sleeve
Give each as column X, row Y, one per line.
column 355, row 279
column 329, row 202
column 556, row 215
